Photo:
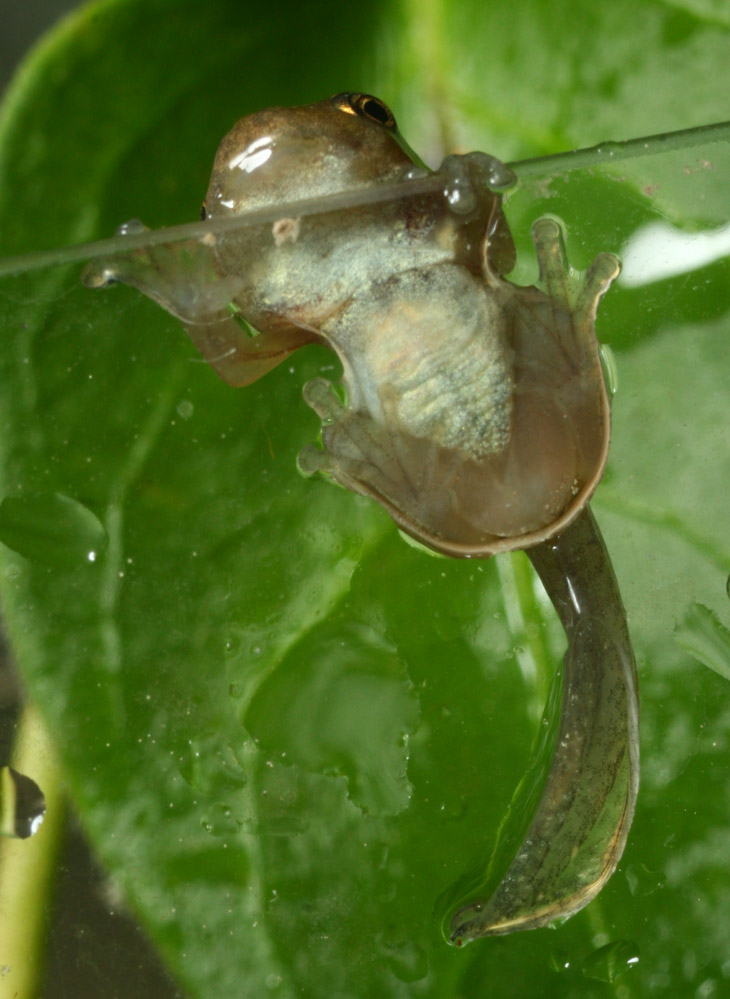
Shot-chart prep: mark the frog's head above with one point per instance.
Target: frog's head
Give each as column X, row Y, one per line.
column 287, row 154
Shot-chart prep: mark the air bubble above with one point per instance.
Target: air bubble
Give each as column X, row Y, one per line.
column 460, row 196
column 220, row 820
column 132, row 228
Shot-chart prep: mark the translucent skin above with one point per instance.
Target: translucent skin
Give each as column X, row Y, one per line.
column 476, row 412
column 580, row 826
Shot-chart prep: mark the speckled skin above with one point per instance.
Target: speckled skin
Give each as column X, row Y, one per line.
column 490, row 394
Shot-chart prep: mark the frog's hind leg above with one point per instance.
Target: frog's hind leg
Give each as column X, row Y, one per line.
column 238, row 353
column 360, row 453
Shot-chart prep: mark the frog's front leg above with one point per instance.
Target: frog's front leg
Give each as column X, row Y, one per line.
column 559, row 383
column 572, row 293
column 180, row 276
column 185, row 279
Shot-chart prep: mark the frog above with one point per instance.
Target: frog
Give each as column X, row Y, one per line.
column 472, row 409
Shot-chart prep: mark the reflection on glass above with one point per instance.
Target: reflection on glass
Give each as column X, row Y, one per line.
column 659, row 251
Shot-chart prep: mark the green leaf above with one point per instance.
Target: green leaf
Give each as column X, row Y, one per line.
column 289, row 734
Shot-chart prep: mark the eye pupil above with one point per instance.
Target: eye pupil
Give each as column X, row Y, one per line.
column 203, row 213
column 366, row 106
column 374, row 109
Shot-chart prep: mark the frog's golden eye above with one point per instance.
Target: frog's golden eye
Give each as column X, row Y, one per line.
column 366, row 106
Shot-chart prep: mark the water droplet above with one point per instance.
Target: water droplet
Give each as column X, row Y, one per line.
column 235, row 690
column 232, row 644
column 406, row 959
column 608, row 149
column 642, row 881
column 610, row 962
column 52, row 529
column 701, row 633
column 185, row 409
column 460, row 196
column 22, row 805
column 132, row 228
column 219, row 820
column 454, row 810
column 415, row 173
column 491, row 171
column 559, row 960
column 385, row 891
column 610, row 370
column 211, row 767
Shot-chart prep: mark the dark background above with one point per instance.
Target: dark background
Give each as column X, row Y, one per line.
column 22, row 22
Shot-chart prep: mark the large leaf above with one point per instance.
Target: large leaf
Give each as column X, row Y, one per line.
column 287, row 733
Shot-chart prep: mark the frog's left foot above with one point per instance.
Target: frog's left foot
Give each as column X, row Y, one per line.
column 320, row 395
column 578, row 292
column 348, row 446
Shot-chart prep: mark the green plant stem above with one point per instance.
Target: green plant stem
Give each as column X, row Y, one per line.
column 579, row 159
column 27, row 867
column 613, row 152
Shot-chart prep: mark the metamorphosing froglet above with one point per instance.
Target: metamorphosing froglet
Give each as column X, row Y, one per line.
column 476, row 411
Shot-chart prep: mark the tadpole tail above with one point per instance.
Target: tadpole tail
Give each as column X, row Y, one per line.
column 582, row 821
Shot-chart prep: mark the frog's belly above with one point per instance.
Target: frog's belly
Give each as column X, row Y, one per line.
column 424, row 353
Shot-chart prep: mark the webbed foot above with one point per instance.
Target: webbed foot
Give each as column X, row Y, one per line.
column 357, row 452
